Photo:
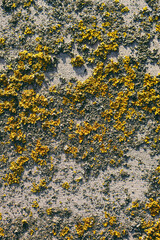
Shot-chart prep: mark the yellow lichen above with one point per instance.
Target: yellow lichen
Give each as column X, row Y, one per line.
column 35, row 204
column 64, row 232
column 49, row 211
column 2, row 232
column 125, row 9
column 154, row 207
column 88, row 223
column 77, row 61
column 65, row 185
